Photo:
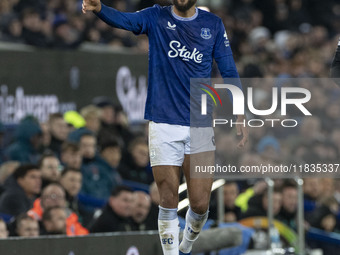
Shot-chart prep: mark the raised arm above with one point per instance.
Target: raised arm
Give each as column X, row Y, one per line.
column 137, row 22
column 335, row 69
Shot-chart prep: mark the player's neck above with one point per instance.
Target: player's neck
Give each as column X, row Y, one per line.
column 188, row 14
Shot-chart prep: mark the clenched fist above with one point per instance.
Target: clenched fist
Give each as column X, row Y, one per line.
column 91, row 5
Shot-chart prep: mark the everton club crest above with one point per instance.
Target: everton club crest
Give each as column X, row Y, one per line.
column 205, row 33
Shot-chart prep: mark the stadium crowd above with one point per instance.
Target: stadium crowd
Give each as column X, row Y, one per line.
column 54, row 175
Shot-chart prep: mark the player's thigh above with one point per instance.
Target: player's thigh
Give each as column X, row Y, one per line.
column 166, row 144
column 199, row 186
column 167, row 179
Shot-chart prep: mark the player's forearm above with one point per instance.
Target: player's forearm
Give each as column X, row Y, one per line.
column 117, row 19
column 335, row 69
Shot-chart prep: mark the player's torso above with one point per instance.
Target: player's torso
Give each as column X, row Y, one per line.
column 187, row 43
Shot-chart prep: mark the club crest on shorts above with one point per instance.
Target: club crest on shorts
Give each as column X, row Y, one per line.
column 205, row 33
column 152, row 153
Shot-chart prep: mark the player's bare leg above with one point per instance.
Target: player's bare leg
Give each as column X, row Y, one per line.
column 167, row 179
column 199, row 190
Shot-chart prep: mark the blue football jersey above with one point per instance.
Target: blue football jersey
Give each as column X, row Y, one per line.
column 179, row 49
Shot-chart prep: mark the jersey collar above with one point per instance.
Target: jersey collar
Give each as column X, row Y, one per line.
column 182, row 18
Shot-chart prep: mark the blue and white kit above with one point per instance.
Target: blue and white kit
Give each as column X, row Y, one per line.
column 179, row 49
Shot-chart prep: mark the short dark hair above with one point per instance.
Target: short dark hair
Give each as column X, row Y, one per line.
column 275, row 190
column 55, row 116
column 120, row 189
column 55, row 183
column 289, row 184
column 137, row 141
column 47, row 154
column 68, row 170
column 109, row 144
column 21, row 171
column 21, row 217
column 69, row 146
column 47, row 213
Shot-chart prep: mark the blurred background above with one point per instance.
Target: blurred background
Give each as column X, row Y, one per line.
column 72, row 96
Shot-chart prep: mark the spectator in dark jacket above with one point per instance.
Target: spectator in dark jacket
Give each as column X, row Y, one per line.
column 33, row 32
column 29, row 140
column 2, row 154
column 21, row 190
column 141, row 217
column 135, row 167
column 6, row 170
column 59, row 131
column 232, row 212
column 324, row 216
column 258, row 204
column 116, row 214
column 289, row 204
column 98, row 180
column 71, row 180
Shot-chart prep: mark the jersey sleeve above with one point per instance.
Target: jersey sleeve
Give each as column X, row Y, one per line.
column 224, row 58
column 137, row 22
column 222, row 45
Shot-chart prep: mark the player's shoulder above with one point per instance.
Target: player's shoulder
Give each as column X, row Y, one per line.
column 159, row 8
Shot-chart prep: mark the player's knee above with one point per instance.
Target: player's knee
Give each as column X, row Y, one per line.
column 168, row 196
column 199, row 206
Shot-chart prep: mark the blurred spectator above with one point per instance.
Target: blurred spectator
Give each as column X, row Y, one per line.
column 141, row 212
column 135, row 167
column 92, row 116
column 2, row 154
column 26, row 226
column 258, row 205
column 98, row 179
column 33, row 31
column 3, row 230
column 53, row 195
column 71, row 180
column 70, row 155
column 13, row 31
column 324, row 216
column 6, row 170
column 232, row 211
column 21, row 190
column 312, row 189
column 111, row 152
column 59, row 131
column 288, row 211
column 112, row 124
column 54, row 221
column 50, row 169
column 66, row 36
column 28, row 141
column 116, row 214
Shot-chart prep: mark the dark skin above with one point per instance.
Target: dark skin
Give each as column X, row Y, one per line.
column 168, row 177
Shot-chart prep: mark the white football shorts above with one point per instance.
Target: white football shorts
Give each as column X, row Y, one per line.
column 169, row 143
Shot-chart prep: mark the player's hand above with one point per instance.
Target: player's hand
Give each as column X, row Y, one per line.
column 242, row 130
column 91, row 5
